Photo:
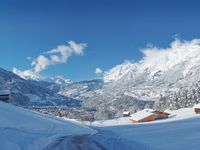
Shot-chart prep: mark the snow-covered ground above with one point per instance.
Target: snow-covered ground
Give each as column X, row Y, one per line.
column 179, row 132
column 175, row 115
column 24, row 130
column 176, row 135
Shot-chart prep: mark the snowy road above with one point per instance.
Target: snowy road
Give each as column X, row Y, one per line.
column 78, row 142
column 102, row 140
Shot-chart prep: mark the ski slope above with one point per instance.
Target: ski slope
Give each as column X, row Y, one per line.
column 24, row 130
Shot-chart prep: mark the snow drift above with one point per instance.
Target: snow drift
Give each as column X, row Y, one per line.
column 21, row 129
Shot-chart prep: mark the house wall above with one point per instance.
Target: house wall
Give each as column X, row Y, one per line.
column 149, row 118
column 163, row 116
column 4, row 97
column 197, row 110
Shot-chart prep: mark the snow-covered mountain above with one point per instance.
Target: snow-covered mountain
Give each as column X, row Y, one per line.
column 78, row 90
column 182, row 57
column 136, row 85
column 29, row 93
column 160, row 71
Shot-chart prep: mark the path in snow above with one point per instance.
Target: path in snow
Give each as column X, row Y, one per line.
column 78, row 142
column 102, row 140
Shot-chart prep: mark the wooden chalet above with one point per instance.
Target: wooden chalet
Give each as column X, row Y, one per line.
column 197, row 109
column 4, row 95
column 161, row 114
column 148, row 115
column 126, row 114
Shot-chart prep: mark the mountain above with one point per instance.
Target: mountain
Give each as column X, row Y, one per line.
column 136, row 85
column 161, row 73
column 29, row 93
column 159, row 70
column 78, row 90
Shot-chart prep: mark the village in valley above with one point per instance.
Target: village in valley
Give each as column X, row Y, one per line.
column 141, row 116
column 144, row 125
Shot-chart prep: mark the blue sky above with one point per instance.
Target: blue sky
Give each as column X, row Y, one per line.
column 114, row 30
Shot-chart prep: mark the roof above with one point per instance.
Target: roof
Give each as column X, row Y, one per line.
column 4, row 92
column 197, row 105
column 142, row 114
column 160, row 112
column 126, row 112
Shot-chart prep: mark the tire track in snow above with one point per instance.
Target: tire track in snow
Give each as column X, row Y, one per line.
column 78, row 142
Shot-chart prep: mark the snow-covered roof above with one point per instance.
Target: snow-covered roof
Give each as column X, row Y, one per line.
column 142, row 114
column 197, row 105
column 4, row 92
column 126, row 112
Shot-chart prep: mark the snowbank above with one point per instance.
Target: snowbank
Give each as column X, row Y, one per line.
column 176, row 135
column 22, row 129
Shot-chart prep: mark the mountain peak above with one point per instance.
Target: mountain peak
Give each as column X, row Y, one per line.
column 156, row 61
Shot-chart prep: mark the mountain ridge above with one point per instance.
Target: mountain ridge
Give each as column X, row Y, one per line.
column 25, row 92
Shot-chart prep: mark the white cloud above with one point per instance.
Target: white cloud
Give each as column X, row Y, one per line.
column 58, row 55
column 29, row 58
column 165, row 58
column 40, row 64
column 78, row 48
column 98, row 71
column 55, row 56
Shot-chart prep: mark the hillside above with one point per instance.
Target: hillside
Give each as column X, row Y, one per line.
column 169, row 75
column 24, row 130
column 179, row 131
column 176, row 135
column 28, row 93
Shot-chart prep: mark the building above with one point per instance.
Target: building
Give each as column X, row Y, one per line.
column 126, row 114
column 4, row 95
column 161, row 114
column 197, row 109
column 148, row 115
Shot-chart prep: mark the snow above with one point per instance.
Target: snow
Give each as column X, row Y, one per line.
column 22, row 129
column 180, row 131
column 27, row 74
column 126, row 113
column 175, row 115
column 166, row 58
column 4, row 92
column 177, row 135
column 197, row 105
column 33, row 98
column 161, row 69
column 116, row 73
column 141, row 114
